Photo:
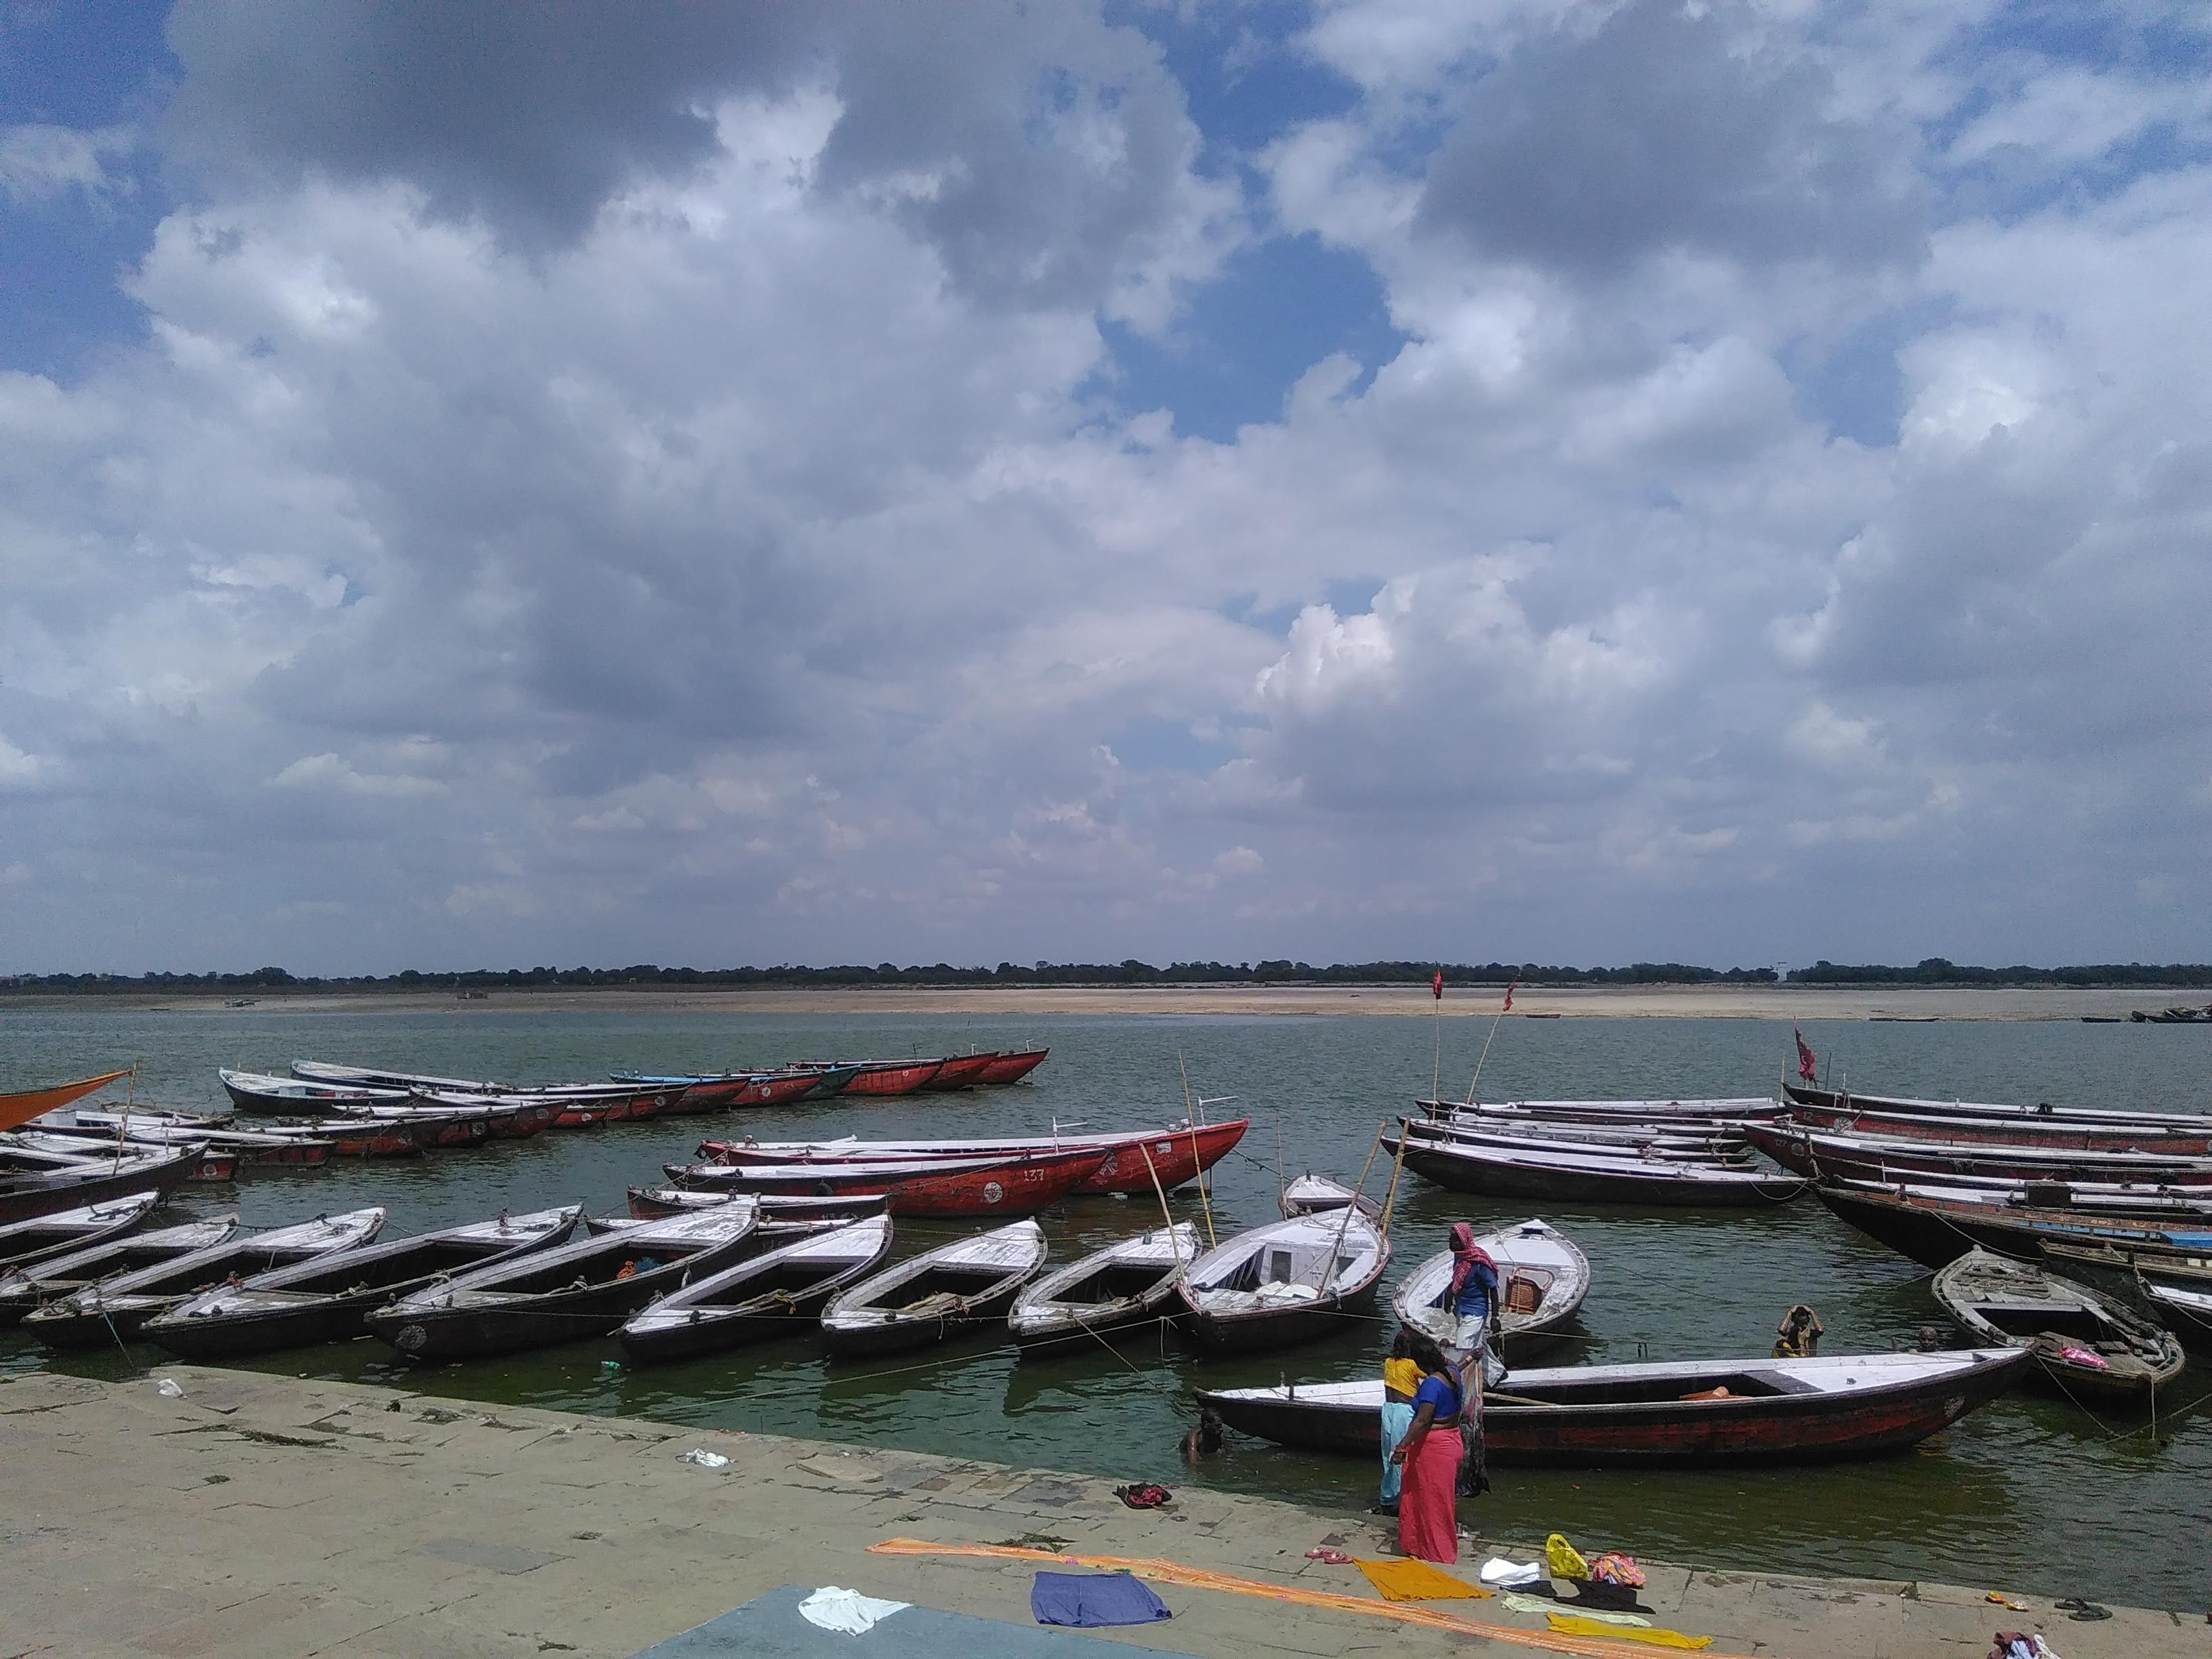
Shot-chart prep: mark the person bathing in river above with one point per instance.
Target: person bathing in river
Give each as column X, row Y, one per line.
column 1428, row 1458
column 1401, row 1376
column 1798, row 1335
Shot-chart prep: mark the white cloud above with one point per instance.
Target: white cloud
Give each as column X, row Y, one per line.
column 38, row 162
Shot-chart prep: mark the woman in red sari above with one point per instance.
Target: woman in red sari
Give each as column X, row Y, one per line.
column 1428, row 1508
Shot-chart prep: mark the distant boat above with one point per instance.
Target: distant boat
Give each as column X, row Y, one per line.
column 1135, row 1161
column 772, row 1294
column 2086, row 1344
column 24, row 1105
column 1687, row 1413
column 1012, row 1066
column 1313, row 1194
column 1127, row 1286
column 1574, row 1175
column 962, row 1286
column 1293, row 1280
column 1018, row 1185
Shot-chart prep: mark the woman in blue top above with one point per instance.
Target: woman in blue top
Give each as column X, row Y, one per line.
column 1428, row 1506
column 1473, row 1292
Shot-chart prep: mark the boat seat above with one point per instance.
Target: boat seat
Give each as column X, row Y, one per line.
column 1783, row 1382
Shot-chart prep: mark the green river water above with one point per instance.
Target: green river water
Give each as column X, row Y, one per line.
column 2029, row 1495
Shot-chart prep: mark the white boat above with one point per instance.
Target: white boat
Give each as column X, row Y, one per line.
column 1290, row 1281
column 956, row 1287
column 1129, row 1285
column 1313, row 1194
column 1543, row 1278
column 26, row 1284
column 40, row 1237
column 759, row 1298
column 116, row 1309
column 2086, row 1343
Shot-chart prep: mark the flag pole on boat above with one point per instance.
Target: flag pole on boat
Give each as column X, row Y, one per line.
column 1506, row 1009
column 1197, row 1169
column 1437, row 1057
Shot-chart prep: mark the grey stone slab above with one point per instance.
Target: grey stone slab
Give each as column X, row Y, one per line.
column 494, row 1558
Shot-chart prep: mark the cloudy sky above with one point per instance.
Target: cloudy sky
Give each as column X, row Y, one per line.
column 1583, row 482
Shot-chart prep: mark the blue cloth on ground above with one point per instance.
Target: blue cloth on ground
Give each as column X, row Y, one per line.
column 1088, row 1599
column 769, row 1627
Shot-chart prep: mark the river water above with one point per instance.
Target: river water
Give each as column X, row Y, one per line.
column 2028, row 1495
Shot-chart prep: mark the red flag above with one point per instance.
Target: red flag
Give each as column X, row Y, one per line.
column 1806, row 1068
column 1507, row 1008
column 1436, row 984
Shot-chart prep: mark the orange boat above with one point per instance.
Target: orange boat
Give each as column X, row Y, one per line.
column 25, row 1104
column 892, row 1077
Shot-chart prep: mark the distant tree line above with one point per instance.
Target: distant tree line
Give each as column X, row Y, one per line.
column 1932, row 971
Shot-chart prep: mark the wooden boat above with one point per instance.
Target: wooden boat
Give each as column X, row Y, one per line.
column 22, row 1105
column 25, row 1286
column 759, row 1298
column 2088, row 1346
column 1736, row 1108
column 1848, row 1102
column 1134, row 1160
column 1130, row 1285
column 460, row 1122
column 584, row 1288
column 2130, row 1263
column 1585, row 1177
column 248, row 1148
column 2179, row 1137
column 1313, row 1194
column 1871, row 1156
column 30, row 1151
column 1011, row 1066
column 1289, row 1281
column 23, row 1195
column 958, row 1072
column 1020, row 1185
column 115, row 1309
column 2188, row 1310
column 355, row 1137
column 66, row 1231
column 887, row 1077
column 286, row 1097
column 368, row 1077
column 1638, row 1141
column 1696, row 1414
column 1935, row 1224
column 650, row 1203
column 329, row 1300
column 1542, row 1279
column 966, row 1285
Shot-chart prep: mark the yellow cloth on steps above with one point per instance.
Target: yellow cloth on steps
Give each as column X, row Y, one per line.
column 1416, row 1581
column 1569, row 1623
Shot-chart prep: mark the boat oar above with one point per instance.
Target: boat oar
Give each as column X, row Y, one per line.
column 1174, row 1244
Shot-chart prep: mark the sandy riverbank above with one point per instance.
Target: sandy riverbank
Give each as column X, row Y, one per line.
column 1643, row 1002
column 260, row 1517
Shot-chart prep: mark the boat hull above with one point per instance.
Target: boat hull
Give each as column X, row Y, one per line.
column 1012, row 1068
column 1019, row 1187
column 37, row 1197
column 1936, row 1236
column 889, row 1080
column 1502, row 1178
column 1762, row 1430
column 984, row 1315
column 23, row 1105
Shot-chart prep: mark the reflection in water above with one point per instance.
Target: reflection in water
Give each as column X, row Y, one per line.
column 1982, row 1503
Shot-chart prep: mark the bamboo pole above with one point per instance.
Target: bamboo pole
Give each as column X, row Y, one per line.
column 1198, row 1173
column 1485, row 1054
column 1162, row 1193
column 1397, row 1169
column 1353, row 1208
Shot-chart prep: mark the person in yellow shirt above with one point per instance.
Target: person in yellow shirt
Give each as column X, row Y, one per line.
column 1401, row 1376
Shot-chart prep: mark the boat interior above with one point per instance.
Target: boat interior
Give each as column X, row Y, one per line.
column 1114, row 1281
column 1743, row 1383
column 941, row 1283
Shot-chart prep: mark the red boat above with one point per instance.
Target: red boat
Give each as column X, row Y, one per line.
column 367, row 1137
column 1013, row 1066
column 776, row 1088
column 1020, row 1185
column 890, row 1077
column 1177, row 1155
column 958, row 1072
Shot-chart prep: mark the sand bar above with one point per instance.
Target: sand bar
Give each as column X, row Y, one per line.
column 1469, row 1002
column 260, row 1517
